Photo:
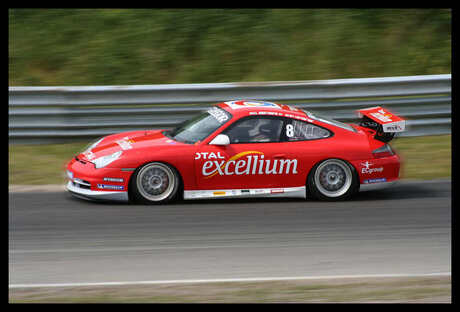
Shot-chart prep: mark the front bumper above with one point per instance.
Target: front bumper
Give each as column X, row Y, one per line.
column 89, row 183
column 77, row 191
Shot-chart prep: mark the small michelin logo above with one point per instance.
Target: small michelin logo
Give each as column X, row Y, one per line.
column 111, row 187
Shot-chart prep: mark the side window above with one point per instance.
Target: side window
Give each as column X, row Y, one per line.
column 297, row 130
column 255, row 130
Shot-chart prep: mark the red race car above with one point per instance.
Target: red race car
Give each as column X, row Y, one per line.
column 242, row 149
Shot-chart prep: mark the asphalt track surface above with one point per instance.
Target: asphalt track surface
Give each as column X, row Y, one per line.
column 55, row 238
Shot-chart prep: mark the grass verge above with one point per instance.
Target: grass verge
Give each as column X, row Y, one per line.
column 427, row 157
column 433, row 289
column 424, row 158
column 40, row 164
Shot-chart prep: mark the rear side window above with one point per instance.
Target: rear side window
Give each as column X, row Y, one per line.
column 255, row 130
column 330, row 121
column 297, row 130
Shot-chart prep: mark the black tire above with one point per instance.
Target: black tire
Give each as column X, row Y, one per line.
column 154, row 183
column 332, row 180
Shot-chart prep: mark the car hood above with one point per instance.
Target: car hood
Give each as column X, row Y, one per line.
column 126, row 142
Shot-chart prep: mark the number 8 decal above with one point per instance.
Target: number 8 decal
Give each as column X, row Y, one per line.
column 290, row 130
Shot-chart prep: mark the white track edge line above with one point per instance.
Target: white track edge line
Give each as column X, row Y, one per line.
column 224, row 280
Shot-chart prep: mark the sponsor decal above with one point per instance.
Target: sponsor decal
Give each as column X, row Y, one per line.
column 218, row 114
column 268, row 113
column 394, row 127
column 243, row 104
column 111, row 187
column 125, row 143
column 367, row 168
column 290, row 191
column 245, row 163
column 114, row 179
column 89, row 155
column 375, row 180
column 206, row 155
column 282, row 114
column 382, row 115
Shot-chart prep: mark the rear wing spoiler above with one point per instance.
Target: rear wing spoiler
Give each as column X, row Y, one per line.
column 385, row 123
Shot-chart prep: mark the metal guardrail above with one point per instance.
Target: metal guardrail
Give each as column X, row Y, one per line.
column 53, row 114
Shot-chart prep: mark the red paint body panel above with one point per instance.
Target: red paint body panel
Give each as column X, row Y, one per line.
column 237, row 166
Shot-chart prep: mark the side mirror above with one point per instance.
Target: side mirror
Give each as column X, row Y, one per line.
column 220, row 139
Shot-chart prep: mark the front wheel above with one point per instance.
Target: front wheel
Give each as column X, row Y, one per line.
column 333, row 179
column 155, row 183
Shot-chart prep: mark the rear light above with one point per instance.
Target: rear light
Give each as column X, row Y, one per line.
column 383, row 151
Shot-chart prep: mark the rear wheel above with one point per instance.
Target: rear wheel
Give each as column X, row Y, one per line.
column 155, row 183
column 333, row 179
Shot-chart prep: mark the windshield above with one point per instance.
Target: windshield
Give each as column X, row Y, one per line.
column 330, row 121
column 199, row 127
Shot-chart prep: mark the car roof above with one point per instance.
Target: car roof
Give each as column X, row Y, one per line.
column 250, row 107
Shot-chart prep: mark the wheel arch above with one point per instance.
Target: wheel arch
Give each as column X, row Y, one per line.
column 355, row 170
column 349, row 163
column 179, row 174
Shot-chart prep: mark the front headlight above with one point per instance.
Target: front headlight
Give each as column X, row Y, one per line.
column 103, row 161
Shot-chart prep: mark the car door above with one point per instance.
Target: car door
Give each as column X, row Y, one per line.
column 250, row 161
